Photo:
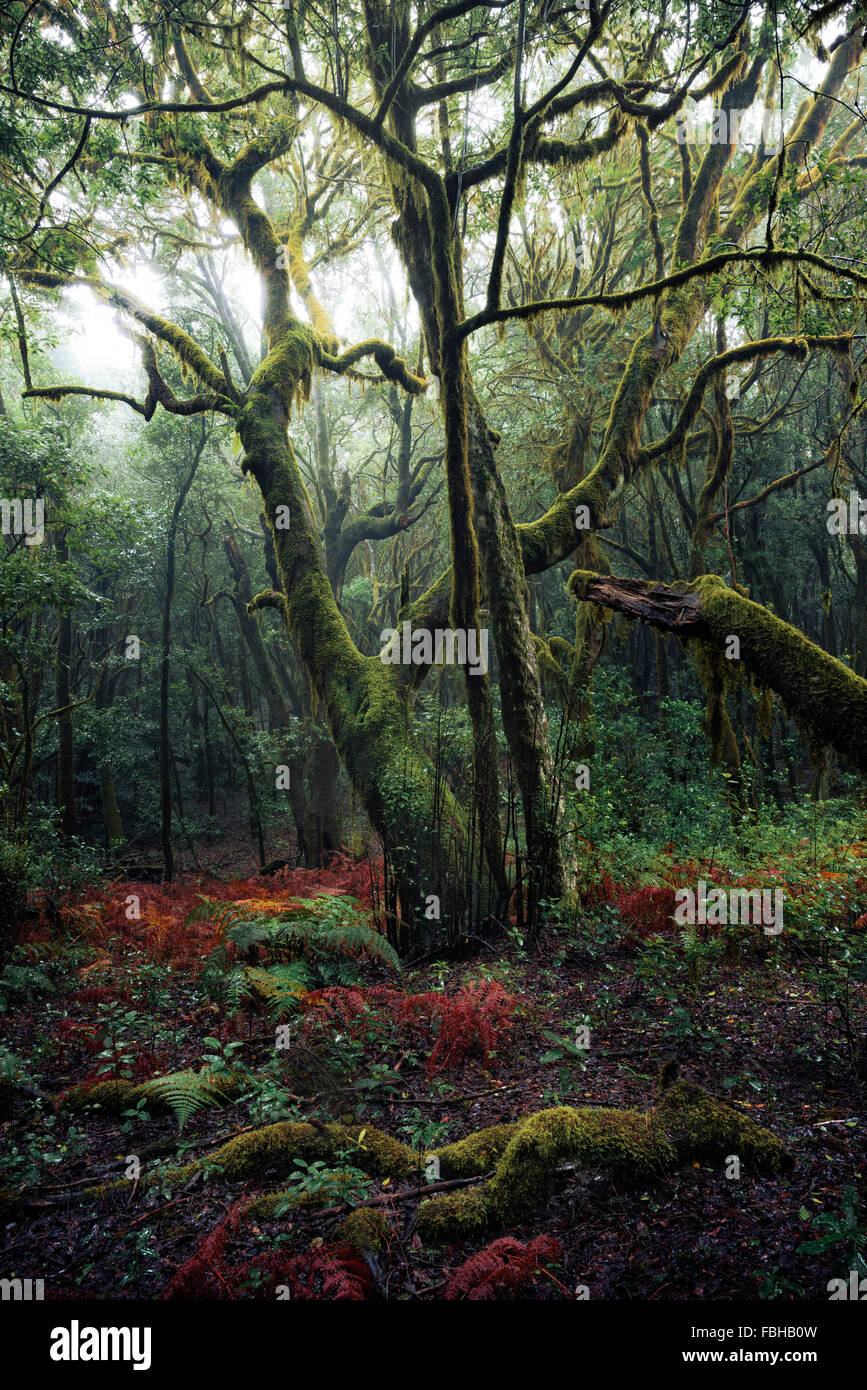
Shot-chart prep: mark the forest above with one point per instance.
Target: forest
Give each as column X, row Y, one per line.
column 433, row 654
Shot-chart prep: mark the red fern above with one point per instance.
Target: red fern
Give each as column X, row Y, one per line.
column 328, row 1272
column 647, row 911
column 476, row 1019
column 505, row 1264
column 204, row 1274
column 336, row 1004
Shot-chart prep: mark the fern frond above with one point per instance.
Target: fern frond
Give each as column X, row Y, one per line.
column 336, row 926
column 359, row 938
column 221, row 915
column 280, row 986
column 247, row 933
column 188, row 1092
column 506, row 1265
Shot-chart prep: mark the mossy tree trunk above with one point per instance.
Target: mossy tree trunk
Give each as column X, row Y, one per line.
column 165, row 754
column 63, row 700
column 427, row 237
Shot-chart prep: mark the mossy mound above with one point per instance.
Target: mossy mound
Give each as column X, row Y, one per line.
column 375, row 1152
column 625, row 1143
column 274, row 1150
column 111, row 1096
column 630, row 1146
column 702, row 1127
column 366, row 1229
column 266, row 1205
column 477, row 1154
column 268, row 1152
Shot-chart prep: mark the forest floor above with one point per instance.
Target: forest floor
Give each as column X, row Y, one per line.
column 763, row 1024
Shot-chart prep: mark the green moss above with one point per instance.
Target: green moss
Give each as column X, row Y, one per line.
column 554, row 534
column 701, row 1126
column 270, row 1151
column 100, row 1190
column 477, row 1154
column 822, row 694
column 454, row 1216
column 365, row 701
column 628, row 1145
column 111, row 1096
column 366, row 1228
column 375, row 1152
column 288, row 368
column 632, row 1147
column 623, row 1142
column 266, row 1205
column 273, row 1151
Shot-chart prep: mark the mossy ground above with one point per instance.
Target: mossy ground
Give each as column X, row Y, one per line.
column 630, row 1179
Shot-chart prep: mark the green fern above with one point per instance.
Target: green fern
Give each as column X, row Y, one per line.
column 335, row 926
column 188, row 1092
column 646, row 879
column 315, row 942
column 24, row 982
column 280, row 986
column 222, row 915
column 252, row 931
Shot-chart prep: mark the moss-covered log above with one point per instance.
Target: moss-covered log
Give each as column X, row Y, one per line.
column 632, row 1147
column 825, row 697
column 522, row 1161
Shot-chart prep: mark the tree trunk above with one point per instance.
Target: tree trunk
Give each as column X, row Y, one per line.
column 165, row 668
column 323, row 831
column 62, row 697
column 366, row 703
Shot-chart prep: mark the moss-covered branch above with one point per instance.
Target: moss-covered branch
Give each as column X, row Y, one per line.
column 185, row 348
column 797, row 347
column 59, row 393
column 393, row 368
column 821, row 694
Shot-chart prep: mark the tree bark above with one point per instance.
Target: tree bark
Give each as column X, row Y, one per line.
column 62, row 696
column 165, row 667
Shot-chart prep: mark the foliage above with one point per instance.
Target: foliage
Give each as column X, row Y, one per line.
column 505, row 1266
column 476, row 1019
